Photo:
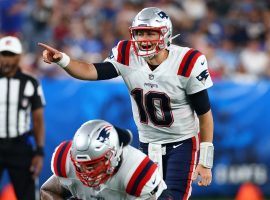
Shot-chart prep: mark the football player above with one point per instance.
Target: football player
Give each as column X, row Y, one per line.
column 168, row 88
column 100, row 164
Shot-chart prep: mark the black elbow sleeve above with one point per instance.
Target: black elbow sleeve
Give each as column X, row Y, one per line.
column 105, row 70
column 200, row 102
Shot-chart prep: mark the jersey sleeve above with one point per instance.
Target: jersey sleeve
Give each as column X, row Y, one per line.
column 154, row 187
column 60, row 158
column 194, row 69
column 120, row 55
column 145, row 180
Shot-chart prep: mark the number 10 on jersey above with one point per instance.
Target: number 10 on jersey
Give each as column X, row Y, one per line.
column 155, row 106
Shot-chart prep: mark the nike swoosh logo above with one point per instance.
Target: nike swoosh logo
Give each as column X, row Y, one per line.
column 154, row 181
column 175, row 146
column 202, row 63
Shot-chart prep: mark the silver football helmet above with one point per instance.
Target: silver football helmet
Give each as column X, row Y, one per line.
column 151, row 19
column 96, row 151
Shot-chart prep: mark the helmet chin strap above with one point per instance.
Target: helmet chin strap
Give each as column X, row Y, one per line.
column 172, row 38
column 115, row 161
column 149, row 57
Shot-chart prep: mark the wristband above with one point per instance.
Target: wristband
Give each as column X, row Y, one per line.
column 65, row 60
column 206, row 154
column 39, row 151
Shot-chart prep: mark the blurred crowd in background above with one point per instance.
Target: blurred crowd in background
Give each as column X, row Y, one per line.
column 234, row 35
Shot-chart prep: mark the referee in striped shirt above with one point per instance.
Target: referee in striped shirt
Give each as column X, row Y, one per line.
column 21, row 102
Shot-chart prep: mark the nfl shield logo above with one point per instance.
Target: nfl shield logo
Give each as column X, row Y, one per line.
column 24, row 102
column 151, row 76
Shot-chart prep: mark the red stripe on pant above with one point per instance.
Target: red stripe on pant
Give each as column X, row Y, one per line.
column 191, row 170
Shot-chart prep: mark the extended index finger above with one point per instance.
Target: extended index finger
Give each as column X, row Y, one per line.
column 49, row 48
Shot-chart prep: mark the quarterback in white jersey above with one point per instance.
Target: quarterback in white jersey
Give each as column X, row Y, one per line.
column 168, row 89
column 160, row 104
column 100, row 164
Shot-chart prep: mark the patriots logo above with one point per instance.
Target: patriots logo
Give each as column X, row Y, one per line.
column 163, row 15
column 203, row 76
column 104, row 134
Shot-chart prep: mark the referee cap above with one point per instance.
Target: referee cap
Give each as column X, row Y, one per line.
column 11, row 44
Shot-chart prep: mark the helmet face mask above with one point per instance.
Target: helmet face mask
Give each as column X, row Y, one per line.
column 154, row 42
column 94, row 172
column 95, row 152
column 151, row 20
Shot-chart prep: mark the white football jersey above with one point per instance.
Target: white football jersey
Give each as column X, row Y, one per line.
column 136, row 178
column 160, row 106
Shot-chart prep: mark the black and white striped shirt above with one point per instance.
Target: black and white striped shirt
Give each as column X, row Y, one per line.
column 19, row 96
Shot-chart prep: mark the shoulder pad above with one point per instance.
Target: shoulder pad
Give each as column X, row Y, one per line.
column 141, row 176
column 188, row 61
column 59, row 159
column 123, row 52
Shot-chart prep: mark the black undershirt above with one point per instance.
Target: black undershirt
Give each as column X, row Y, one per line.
column 152, row 67
column 199, row 101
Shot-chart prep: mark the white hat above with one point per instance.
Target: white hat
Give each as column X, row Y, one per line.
column 11, row 44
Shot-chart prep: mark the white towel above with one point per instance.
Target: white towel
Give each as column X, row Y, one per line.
column 155, row 154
